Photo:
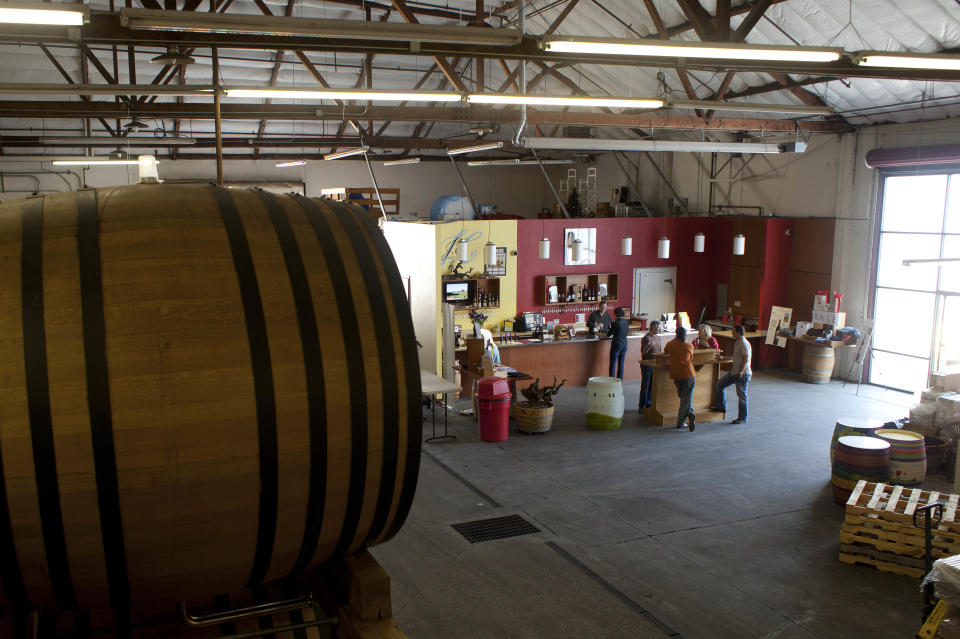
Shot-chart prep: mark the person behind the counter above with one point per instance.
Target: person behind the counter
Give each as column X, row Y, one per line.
column 599, row 321
column 648, row 348
column 618, row 347
column 683, row 375
column 705, row 338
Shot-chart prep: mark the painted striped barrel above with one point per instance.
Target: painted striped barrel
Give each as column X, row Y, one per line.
column 203, row 389
column 858, row 458
column 908, row 456
column 864, row 426
column 816, row 364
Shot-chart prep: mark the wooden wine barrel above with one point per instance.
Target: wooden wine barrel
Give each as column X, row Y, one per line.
column 201, row 390
column 817, row 364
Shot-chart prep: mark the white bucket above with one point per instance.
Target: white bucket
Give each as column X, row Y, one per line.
column 604, row 403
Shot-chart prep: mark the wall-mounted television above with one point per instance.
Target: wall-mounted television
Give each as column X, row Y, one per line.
column 456, row 293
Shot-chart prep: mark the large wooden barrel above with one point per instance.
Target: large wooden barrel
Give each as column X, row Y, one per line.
column 858, row 458
column 817, row 364
column 201, row 389
column 863, row 426
column 908, row 456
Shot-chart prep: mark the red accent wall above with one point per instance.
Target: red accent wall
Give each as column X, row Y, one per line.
column 697, row 273
column 773, row 283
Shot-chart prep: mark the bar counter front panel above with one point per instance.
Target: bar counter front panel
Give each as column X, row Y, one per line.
column 576, row 359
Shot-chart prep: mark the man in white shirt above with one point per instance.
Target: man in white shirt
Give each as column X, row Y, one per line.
column 739, row 375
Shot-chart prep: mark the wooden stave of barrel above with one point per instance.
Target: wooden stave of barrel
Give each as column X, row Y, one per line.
column 193, row 400
column 908, row 456
column 865, row 426
column 816, row 365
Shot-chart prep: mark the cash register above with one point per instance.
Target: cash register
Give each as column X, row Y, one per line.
column 534, row 322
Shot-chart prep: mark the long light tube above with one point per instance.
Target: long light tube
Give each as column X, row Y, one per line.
column 487, row 146
column 90, row 162
column 364, row 95
column 564, row 100
column 104, row 89
column 904, row 60
column 935, row 260
column 113, row 141
column 68, row 15
column 676, row 49
column 289, row 163
column 718, row 105
column 515, row 162
column 403, row 161
column 346, row 153
column 589, row 144
column 198, row 22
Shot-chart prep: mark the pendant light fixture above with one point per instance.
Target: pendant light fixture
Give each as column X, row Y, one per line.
column 699, row 242
column 663, row 248
column 464, row 248
column 739, row 244
column 489, row 254
column 576, row 249
column 544, row 248
column 626, row 242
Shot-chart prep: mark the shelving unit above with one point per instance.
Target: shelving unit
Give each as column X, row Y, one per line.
column 481, row 286
column 575, row 282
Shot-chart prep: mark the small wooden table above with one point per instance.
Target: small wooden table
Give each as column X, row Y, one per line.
column 663, row 393
column 432, row 384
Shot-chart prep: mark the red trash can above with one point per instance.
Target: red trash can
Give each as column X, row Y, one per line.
column 493, row 408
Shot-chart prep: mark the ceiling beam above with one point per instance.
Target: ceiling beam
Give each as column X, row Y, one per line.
column 469, row 114
column 701, row 20
column 778, row 86
column 756, row 12
column 452, row 76
column 85, row 98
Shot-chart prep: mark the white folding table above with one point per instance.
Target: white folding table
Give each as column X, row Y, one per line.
column 431, row 385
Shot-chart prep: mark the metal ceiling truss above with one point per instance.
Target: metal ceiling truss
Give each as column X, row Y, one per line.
column 105, row 28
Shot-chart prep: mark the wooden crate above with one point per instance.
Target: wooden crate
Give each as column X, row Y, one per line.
column 878, row 528
column 366, row 196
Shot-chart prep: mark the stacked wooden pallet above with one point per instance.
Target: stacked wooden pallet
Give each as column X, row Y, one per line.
column 878, row 528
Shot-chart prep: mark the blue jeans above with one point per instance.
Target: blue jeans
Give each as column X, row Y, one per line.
column 617, row 354
column 685, row 392
column 646, row 377
column 741, row 383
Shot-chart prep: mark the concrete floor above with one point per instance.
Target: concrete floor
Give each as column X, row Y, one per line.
column 729, row 531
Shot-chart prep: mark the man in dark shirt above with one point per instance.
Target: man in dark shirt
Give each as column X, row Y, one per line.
column 618, row 347
column 599, row 321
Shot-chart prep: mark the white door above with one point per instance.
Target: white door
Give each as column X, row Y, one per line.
column 654, row 291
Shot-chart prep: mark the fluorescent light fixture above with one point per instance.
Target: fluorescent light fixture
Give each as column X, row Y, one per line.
column 346, row 153
column 486, row 146
column 403, row 161
column 364, row 95
column 591, row 144
column 677, row 49
column 67, row 15
column 122, row 141
column 515, row 162
column 565, row 100
column 104, row 89
column 200, row 22
column 91, row 161
column 904, row 60
column 289, row 163
column 936, row 260
column 717, row 105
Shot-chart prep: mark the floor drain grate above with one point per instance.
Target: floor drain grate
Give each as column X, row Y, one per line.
column 496, row 528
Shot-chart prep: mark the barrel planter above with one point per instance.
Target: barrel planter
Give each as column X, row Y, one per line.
column 604, row 403
column 936, row 452
column 816, row 364
column 533, row 420
column 191, row 401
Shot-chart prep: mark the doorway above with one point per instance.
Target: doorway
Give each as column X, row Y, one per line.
column 654, row 291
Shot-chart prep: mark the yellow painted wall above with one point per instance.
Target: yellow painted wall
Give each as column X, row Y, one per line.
column 501, row 233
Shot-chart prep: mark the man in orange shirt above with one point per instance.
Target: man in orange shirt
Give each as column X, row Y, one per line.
column 683, row 376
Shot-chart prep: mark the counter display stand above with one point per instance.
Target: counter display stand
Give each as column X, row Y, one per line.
column 664, row 401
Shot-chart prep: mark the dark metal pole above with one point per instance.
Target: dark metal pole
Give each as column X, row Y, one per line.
column 216, row 114
column 550, row 184
column 668, row 183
